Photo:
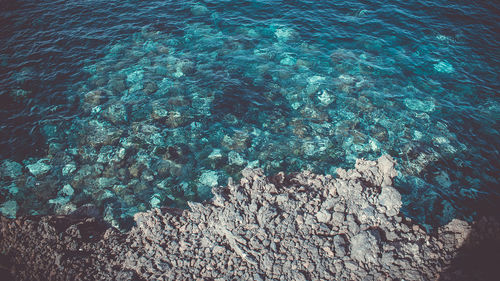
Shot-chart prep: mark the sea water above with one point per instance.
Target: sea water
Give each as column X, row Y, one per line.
column 131, row 105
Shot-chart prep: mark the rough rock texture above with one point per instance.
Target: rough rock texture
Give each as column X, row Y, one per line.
column 285, row 227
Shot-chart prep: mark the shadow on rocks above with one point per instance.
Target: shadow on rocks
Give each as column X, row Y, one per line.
column 479, row 256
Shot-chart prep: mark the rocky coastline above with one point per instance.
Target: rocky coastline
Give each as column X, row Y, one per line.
column 300, row 226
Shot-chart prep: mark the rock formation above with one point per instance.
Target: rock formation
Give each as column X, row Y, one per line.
column 284, row 227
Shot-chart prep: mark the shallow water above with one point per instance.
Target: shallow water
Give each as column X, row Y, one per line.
column 131, row 105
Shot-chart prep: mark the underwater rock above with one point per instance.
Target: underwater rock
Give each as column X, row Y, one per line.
column 139, row 111
column 10, row 169
column 443, row 179
column 234, row 158
column 379, row 132
column 59, row 202
column 419, row 105
column 150, row 87
column 39, row 168
column 158, row 111
column 238, row 142
column 135, row 77
column 185, row 67
column 199, row 10
column 284, row 34
column 148, row 47
column 288, row 60
column 209, row 178
column 99, row 133
column 117, row 85
column 68, row 169
column 116, row 113
column 177, row 101
column 175, row 119
column 444, row 67
column 9, row 209
column 96, row 97
column 216, row 154
column 12, row 188
column 67, row 190
column 325, row 97
column 155, row 201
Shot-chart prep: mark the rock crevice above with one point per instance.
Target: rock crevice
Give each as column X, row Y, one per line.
column 301, row 226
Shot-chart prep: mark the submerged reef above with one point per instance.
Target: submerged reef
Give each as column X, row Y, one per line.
column 300, row 226
column 163, row 118
column 161, row 111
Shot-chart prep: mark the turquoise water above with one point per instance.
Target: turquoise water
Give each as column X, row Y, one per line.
column 130, row 105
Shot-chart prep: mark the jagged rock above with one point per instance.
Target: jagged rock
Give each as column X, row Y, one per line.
column 390, row 201
column 364, row 247
column 292, row 227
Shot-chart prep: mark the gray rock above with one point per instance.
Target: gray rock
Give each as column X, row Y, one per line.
column 340, row 245
column 364, row 247
column 323, row 216
column 260, row 228
column 390, row 201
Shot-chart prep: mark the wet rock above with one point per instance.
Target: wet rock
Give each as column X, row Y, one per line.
column 116, row 113
column 325, row 97
column 235, row 158
column 175, row 119
column 199, row 10
column 68, row 169
column 95, row 97
column 10, row 169
column 67, row 190
column 444, row 67
column 135, row 77
column 9, row 209
column 150, row 87
column 99, row 133
column 419, row 105
column 39, row 168
column 284, row 34
column 209, row 178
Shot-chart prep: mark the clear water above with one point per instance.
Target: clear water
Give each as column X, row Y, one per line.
column 130, row 105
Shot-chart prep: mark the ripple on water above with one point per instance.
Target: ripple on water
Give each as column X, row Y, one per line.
column 131, row 106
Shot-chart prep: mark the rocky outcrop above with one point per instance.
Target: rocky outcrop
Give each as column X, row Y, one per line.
column 284, row 227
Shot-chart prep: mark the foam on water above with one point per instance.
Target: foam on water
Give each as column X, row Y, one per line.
column 130, row 106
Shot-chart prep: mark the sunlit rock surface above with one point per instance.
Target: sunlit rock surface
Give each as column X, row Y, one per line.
column 284, row 227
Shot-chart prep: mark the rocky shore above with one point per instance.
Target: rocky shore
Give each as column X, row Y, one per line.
column 284, row 227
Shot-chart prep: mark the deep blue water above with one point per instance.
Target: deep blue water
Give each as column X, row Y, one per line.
column 134, row 104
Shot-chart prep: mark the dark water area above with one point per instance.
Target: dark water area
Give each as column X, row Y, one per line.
column 130, row 105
